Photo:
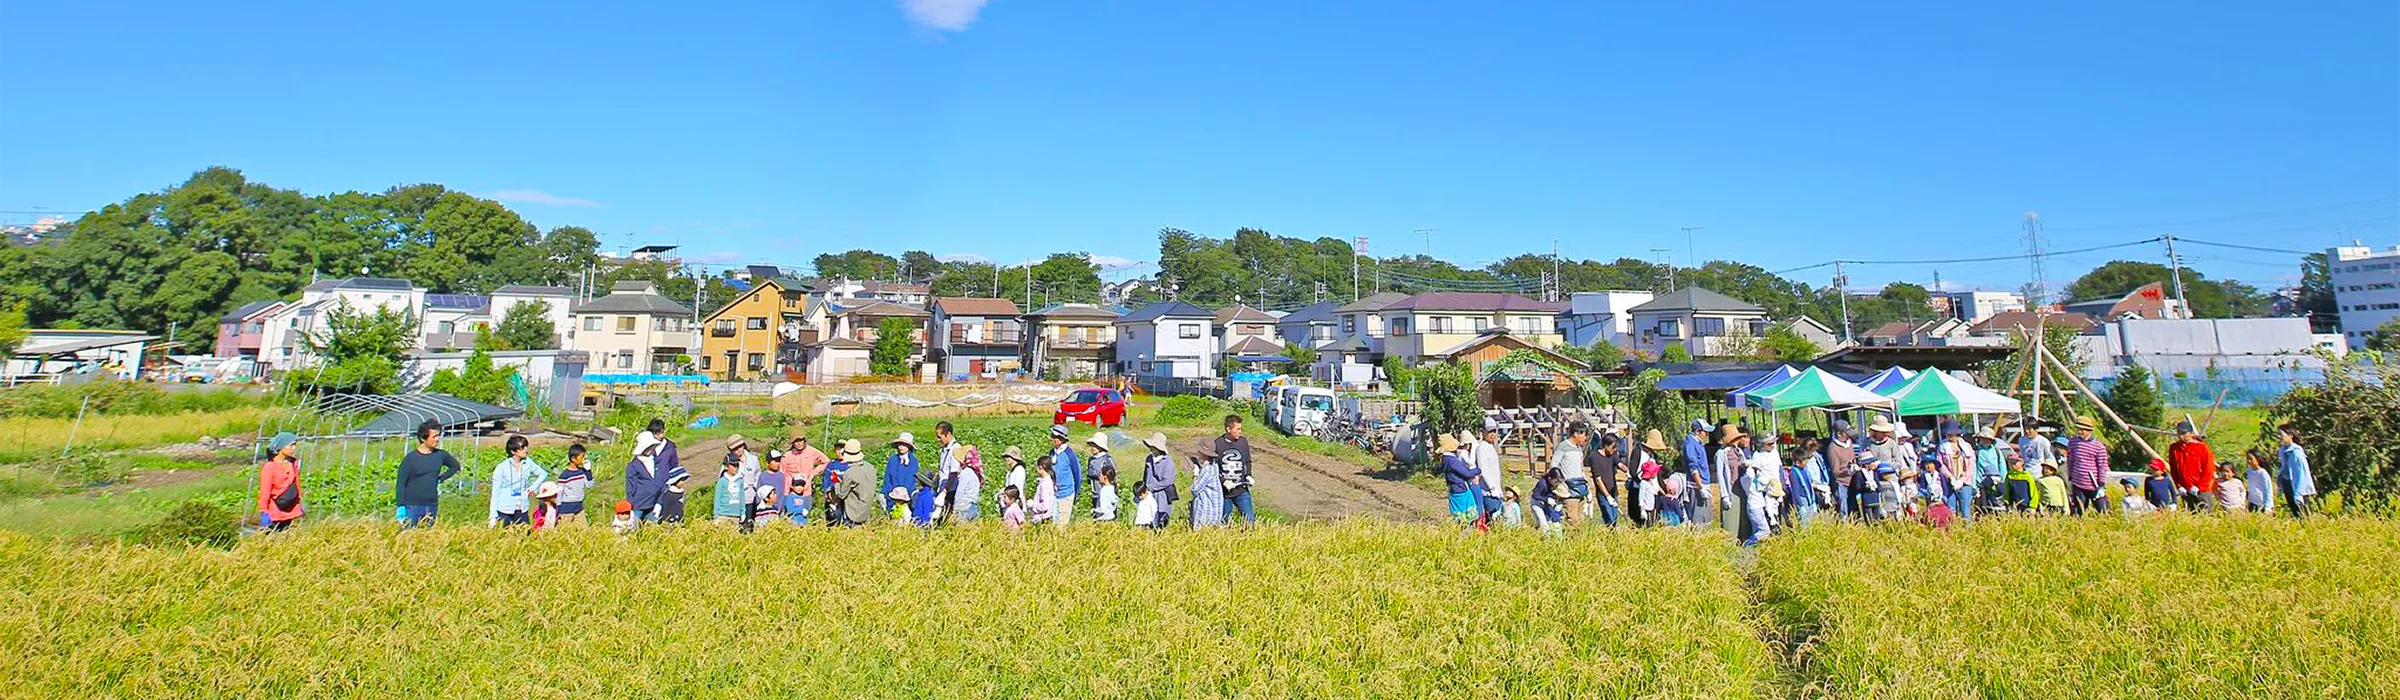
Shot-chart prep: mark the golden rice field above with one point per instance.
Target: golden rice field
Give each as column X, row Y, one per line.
column 2173, row 607
column 1347, row 610
column 24, row 439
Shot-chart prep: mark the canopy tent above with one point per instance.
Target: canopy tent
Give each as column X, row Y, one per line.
column 1739, row 398
column 1889, row 380
column 1936, row 393
column 1817, row 388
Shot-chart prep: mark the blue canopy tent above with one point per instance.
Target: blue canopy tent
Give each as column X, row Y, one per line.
column 1740, row 398
column 1889, row 380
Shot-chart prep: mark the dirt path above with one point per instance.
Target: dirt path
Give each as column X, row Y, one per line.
column 1314, row 487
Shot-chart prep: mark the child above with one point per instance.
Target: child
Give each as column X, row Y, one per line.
column 1044, row 500
column 2259, row 485
column 732, row 503
column 898, row 500
column 2135, row 502
column 1016, row 468
column 670, row 500
column 574, row 482
column 2161, row 489
column 2054, row 489
column 1104, row 499
column 1549, row 505
column 1511, row 514
column 2022, row 493
column 625, row 522
column 1670, row 497
column 2230, row 498
column 768, row 496
column 1012, row 512
column 1888, row 495
column 545, row 506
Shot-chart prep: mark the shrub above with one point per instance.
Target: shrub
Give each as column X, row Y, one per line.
column 193, row 524
column 1187, row 410
column 113, row 397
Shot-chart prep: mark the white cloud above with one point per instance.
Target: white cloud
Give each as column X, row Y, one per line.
column 942, row 15
column 1111, row 262
column 962, row 258
column 539, row 197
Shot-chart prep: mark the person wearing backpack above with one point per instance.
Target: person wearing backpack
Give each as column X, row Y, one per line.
column 1158, row 481
column 279, row 484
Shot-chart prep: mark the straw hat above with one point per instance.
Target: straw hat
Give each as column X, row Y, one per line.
column 799, row 432
column 2086, row 423
column 1881, row 425
column 548, row 489
column 735, row 440
column 1652, row 440
column 1986, row 434
column 1446, row 443
column 1156, row 441
column 850, row 450
column 1013, row 453
column 905, row 439
column 1731, row 433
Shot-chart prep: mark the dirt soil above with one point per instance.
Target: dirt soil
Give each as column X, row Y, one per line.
column 1315, row 487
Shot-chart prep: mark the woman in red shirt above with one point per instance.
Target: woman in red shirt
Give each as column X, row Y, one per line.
column 2193, row 466
column 279, row 483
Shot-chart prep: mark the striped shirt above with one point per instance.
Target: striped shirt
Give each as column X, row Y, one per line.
column 2087, row 463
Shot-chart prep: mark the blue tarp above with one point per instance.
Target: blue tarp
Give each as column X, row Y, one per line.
column 646, row 378
column 1732, row 379
column 1740, row 398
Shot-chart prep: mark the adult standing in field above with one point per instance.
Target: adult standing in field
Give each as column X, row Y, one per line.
column 900, row 472
column 945, row 456
column 1697, row 469
column 1758, row 473
column 1486, row 456
column 645, row 478
column 1567, row 460
column 2299, row 483
column 2087, row 468
column 800, row 464
column 1602, row 465
column 422, row 472
column 1841, row 456
column 513, row 480
column 1208, row 486
column 1458, row 476
column 1069, row 469
column 2193, row 465
column 966, row 487
column 1101, row 463
column 1733, row 459
column 279, row 483
column 670, row 456
column 854, row 499
column 1158, row 481
column 1958, row 470
column 1233, row 470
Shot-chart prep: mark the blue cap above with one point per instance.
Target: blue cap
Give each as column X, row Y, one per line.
column 281, row 440
column 1701, row 425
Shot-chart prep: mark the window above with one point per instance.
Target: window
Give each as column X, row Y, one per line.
column 1479, row 324
column 1187, row 331
column 1349, row 325
column 1670, row 328
column 591, row 323
column 624, row 359
column 1131, row 333
column 449, row 327
column 704, row 362
column 1529, row 325
column 627, row 324
column 1398, row 327
column 1708, row 327
column 722, row 326
column 758, row 361
column 756, row 323
column 1437, row 324
column 1759, row 327
column 1320, row 333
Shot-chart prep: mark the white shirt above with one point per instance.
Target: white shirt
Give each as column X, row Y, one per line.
column 1016, row 478
column 1487, row 458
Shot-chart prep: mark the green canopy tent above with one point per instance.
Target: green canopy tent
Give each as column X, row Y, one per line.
column 1936, row 393
column 1817, row 388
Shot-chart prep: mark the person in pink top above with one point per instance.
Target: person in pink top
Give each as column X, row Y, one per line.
column 2087, row 468
column 279, row 483
column 801, row 465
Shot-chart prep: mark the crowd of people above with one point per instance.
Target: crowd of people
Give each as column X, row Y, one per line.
column 798, row 484
column 1766, row 483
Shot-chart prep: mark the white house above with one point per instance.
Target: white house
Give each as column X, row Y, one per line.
column 634, row 330
column 1362, row 321
column 1698, row 319
column 557, row 299
column 1597, row 317
column 1976, row 306
column 1312, row 326
column 1167, row 339
column 286, row 332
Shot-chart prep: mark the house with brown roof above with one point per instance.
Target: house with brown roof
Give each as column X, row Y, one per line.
column 2009, row 323
column 1899, row 333
column 1249, row 328
column 975, row 337
column 2146, row 301
column 1071, row 341
column 1424, row 326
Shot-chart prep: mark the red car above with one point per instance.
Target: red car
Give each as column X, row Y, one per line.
column 1094, row 405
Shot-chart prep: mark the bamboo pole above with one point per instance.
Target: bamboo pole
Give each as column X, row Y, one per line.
column 2035, row 341
column 2104, row 409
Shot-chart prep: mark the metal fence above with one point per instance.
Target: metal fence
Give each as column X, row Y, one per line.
column 2231, row 387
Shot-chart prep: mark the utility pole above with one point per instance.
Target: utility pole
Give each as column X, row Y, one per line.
column 1841, row 288
column 1690, row 247
column 1428, row 234
column 1358, row 249
column 1029, row 282
column 1556, row 276
column 1664, row 261
column 2175, row 271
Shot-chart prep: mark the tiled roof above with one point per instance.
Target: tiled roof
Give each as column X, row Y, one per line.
column 1475, row 301
column 1696, row 299
column 1075, row 311
column 247, row 310
column 975, row 306
column 533, row 290
column 1172, row 308
column 1320, row 312
column 625, row 302
column 1242, row 312
column 1373, row 302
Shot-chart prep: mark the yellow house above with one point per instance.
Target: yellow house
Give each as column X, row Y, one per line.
column 1432, row 324
column 760, row 334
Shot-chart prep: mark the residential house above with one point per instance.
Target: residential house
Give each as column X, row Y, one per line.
column 243, row 333
column 1905, row 333
column 1242, row 331
column 1593, row 318
column 2147, row 301
column 1816, row 333
column 1705, row 323
column 450, row 321
column 759, row 334
column 557, row 305
column 2012, row 323
column 1073, row 340
column 284, row 343
column 1362, row 321
column 1312, row 326
column 1976, row 306
column 634, row 330
column 858, row 325
column 976, row 336
column 844, row 290
column 1169, row 339
column 1422, row 326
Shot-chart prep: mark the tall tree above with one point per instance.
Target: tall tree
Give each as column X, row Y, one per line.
column 2208, row 298
column 12, row 328
column 526, row 326
column 895, row 342
column 857, row 264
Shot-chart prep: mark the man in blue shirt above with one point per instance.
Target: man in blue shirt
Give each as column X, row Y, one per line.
column 1695, row 462
column 2292, row 469
column 1069, row 472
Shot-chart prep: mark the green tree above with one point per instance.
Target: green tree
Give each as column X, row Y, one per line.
column 895, row 343
column 12, row 328
column 526, row 326
column 2316, row 292
column 2346, row 424
column 1449, row 392
column 479, row 380
column 1674, row 352
column 857, row 264
column 1303, row 359
column 359, row 351
column 2209, row 298
column 1600, row 356
column 2134, row 397
column 1787, row 345
column 2386, row 337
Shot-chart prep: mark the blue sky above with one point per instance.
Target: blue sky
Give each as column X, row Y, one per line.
column 1792, row 132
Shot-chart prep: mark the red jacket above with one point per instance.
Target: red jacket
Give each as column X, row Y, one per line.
column 274, row 478
column 2192, row 465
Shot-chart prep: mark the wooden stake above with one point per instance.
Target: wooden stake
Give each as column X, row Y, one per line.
column 2104, row 409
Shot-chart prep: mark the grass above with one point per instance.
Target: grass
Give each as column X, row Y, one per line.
column 1292, row 611
column 114, row 512
column 2173, row 607
column 29, row 439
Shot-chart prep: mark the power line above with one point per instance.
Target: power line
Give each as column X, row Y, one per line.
column 1994, row 258
column 2262, row 249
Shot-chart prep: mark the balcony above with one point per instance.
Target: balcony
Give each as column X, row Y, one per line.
column 1005, row 337
column 722, row 332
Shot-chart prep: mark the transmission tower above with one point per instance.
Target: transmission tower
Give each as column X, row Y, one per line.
column 2037, row 291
